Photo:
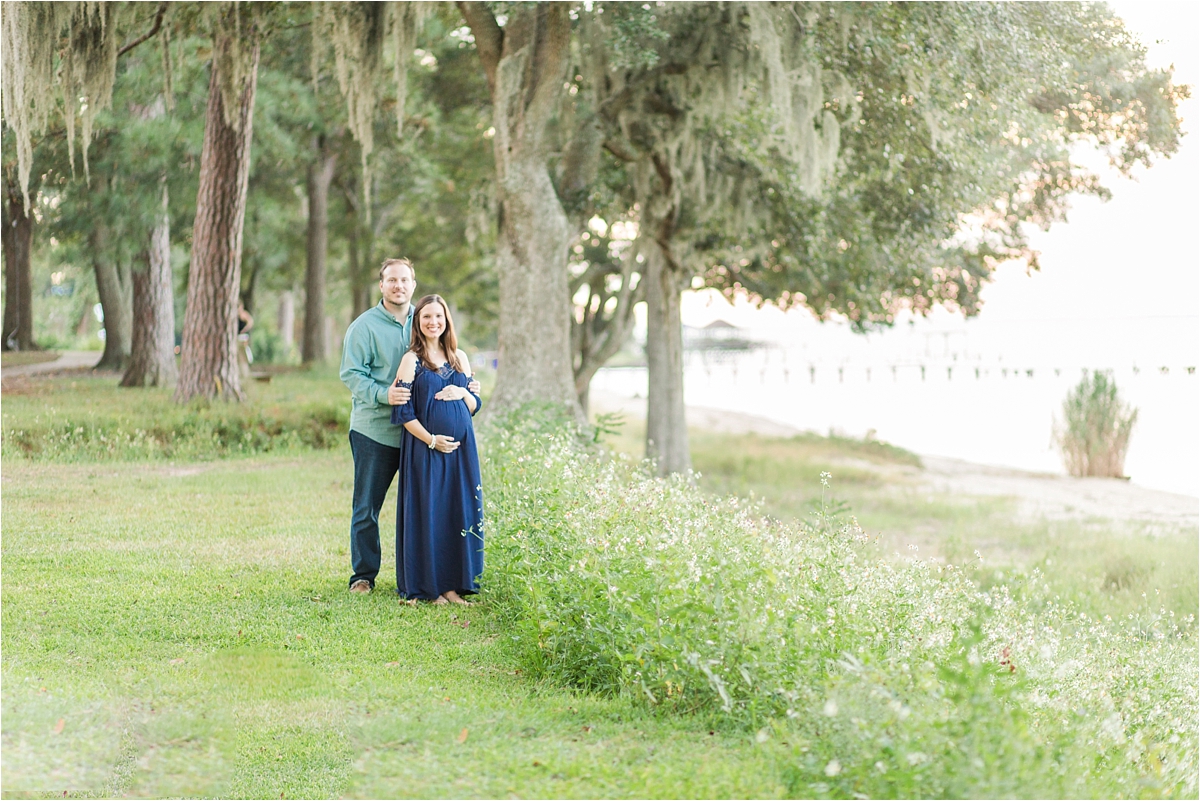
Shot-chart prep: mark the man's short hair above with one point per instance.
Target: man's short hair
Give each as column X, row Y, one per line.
column 390, row 262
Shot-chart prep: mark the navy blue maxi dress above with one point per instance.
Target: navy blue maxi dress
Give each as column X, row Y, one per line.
column 439, row 514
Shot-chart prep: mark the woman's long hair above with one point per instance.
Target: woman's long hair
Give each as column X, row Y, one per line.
column 448, row 340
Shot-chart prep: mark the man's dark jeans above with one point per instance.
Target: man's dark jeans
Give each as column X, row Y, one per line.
column 375, row 466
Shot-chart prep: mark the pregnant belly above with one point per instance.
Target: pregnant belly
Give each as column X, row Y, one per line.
column 450, row 418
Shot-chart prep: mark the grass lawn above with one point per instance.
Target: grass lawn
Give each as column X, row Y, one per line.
column 179, row 625
column 175, row 629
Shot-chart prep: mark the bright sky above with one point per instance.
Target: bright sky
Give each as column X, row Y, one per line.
column 1135, row 258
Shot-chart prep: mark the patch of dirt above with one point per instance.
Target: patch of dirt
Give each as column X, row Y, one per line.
column 1055, row 497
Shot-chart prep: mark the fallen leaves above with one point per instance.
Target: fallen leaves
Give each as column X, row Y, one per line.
column 462, row 736
column 392, row 664
column 177, row 661
column 58, row 727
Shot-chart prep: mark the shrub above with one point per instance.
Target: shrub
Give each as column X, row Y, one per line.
column 883, row 677
column 1094, row 432
column 89, row 419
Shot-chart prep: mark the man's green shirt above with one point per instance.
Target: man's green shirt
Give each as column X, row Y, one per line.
column 371, row 354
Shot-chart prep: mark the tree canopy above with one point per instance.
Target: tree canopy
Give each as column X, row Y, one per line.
column 549, row 166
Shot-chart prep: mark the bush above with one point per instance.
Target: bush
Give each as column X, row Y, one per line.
column 882, row 677
column 1094, row 432
column 75, row 419
column 268, row 347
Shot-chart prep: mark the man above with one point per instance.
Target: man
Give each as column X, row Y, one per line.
column 371, row 353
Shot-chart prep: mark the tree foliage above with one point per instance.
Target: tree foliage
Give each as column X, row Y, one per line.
column 965, row 124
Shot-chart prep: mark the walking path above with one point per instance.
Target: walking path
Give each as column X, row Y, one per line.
column 1038, row 495
column 67, row 360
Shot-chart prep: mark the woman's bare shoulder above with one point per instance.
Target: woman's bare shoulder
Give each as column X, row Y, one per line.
column 464, row 361
column 408, row 367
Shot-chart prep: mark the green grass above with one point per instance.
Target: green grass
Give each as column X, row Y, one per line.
column 190, row 627
column 88, row 418
column 177, row 624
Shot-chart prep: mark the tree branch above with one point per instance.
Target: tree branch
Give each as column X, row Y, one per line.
column 621, row 149
column 552, row 51
column 489, row 37
column 158, row 18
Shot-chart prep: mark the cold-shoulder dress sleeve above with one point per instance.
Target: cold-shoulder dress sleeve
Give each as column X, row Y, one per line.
column 462, row 380
column 407, row 411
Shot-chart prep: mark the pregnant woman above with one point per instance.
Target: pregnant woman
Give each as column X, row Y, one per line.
column 439, row 515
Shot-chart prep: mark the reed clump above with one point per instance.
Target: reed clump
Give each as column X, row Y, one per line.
column 1093, row 434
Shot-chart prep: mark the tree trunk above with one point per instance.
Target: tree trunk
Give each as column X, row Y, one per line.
column 286, row 321
column 152, row 359
column 210, row 366
column 665, row 279
column 360, row 285
column 526, row 63
column 320, row 174
column 18, row 273
column 666, row 419
column 359, row 241
column 114, row 285
column 596, row 336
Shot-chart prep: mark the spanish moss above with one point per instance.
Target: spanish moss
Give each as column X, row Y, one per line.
column 358, row 32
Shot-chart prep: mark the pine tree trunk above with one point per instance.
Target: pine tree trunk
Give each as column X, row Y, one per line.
column 152, row 359
column 525, row 63
column 209, row 366
column 320, row 174
column 114, row 285
column 18, row 273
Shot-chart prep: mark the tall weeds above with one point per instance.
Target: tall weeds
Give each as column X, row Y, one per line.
column 1094, row 432
column 868, row 675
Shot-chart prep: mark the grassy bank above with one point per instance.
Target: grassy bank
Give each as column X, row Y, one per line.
column 180, row 626
column 1104, row 567
column 85, row 417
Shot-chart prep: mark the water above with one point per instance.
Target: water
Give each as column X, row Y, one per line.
column 969, row 404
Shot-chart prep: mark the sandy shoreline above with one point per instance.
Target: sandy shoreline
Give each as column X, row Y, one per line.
column 1038, row 495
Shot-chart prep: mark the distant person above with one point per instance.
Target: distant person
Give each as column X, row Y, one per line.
column 371, row 354
column 439, row 514
column 244, row 325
